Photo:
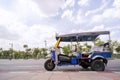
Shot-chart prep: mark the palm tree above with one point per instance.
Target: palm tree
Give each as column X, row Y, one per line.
column 27, row 51
column 25, row 46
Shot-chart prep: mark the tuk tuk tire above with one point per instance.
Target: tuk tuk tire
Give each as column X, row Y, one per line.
column 97, row 65
column 49, row 65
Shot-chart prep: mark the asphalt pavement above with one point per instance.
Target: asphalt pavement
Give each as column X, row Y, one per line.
column 34, row 70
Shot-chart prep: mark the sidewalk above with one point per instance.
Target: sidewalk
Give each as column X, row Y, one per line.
column 60, row 75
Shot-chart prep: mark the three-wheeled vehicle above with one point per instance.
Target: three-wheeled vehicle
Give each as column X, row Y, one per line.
column 97, row 59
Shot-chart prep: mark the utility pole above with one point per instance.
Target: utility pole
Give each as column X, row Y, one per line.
column 45, row 44
column 11, row 44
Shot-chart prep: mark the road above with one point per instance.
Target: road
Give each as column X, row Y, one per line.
column 34, row 70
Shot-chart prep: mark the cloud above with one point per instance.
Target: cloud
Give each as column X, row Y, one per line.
column 6, row 17
column 79, row 18
column 68, row 3
column 34, row 21
column 14, row 29
column 49, row 7
column 116, row 3
column 74, row 17
column 111, row 13
column 40, row 31
column 37, row 34
column 99, row 28
column 107, row 15
column 97, row 19
column 83, row 2
column 25, row 8
column 20, row 11
column 99, row 9
column 34, row 35
column 95, row 28
column 67, row 14
column 5, row 33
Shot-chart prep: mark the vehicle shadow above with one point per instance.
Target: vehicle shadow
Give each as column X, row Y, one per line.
column 76, row 69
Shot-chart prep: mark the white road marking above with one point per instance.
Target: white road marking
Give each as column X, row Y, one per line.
column 87, row 71
column 53, row 71
column 19, row 72
column 27, row 66
column 117, row 72
column 58, row 71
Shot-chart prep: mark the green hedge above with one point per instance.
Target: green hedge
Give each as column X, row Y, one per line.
column 116, row 56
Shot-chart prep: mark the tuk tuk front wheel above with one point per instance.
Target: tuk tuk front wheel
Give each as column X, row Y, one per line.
column 49, row 65
column 98, row 65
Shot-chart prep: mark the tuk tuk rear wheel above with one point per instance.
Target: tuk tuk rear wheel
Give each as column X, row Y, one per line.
column 49, row 65
column 98, row 65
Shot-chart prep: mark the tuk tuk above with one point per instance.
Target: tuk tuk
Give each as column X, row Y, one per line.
column 97, row 59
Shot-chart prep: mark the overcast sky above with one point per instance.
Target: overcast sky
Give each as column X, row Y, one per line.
column 34, row 21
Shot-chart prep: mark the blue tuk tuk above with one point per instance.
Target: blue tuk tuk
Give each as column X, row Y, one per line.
column 97, row 59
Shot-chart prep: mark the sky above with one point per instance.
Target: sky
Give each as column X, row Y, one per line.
column 32, row 22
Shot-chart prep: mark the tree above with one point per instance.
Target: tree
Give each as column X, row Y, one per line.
column 43, row 52
column 21, row 53
column 118, row 49
column 35, row 52
column 6, row 54
column 87, row 47
column 98, row 41
column 66, row 49
column 25, row 46
column 1, row 52
column 16, row 55
column 11, row 53
column 1, row 49
column 114, row 45
column 28, row 51
column 80, row 48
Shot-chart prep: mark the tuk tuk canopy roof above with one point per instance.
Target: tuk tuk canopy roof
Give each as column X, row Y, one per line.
column 84, row 36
